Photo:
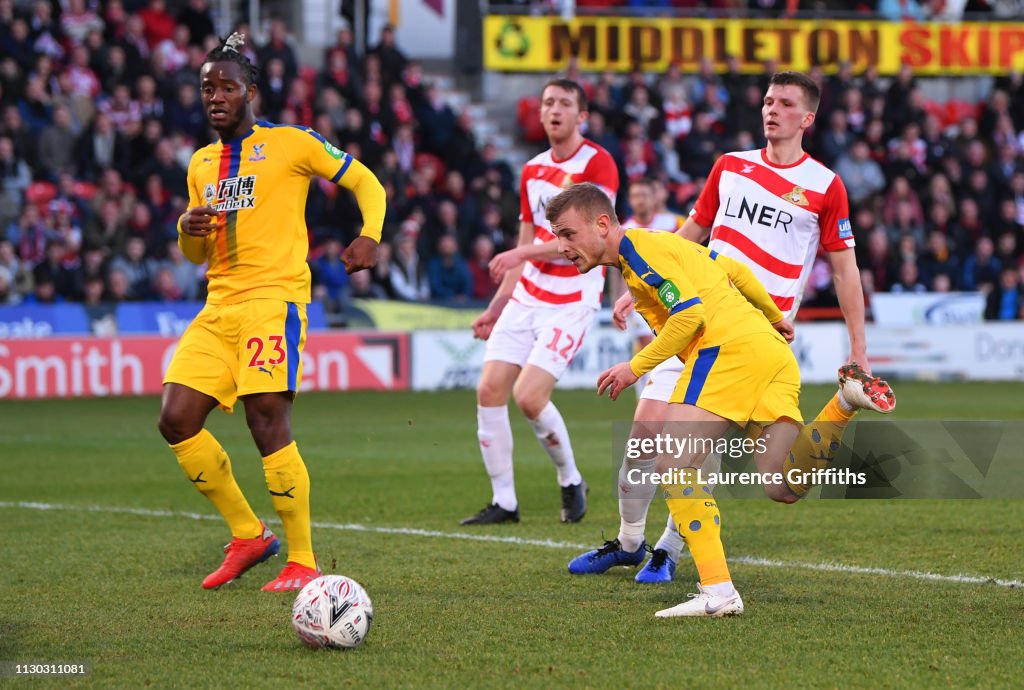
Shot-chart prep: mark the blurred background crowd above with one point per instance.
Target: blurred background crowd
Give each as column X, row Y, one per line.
column 100, row 114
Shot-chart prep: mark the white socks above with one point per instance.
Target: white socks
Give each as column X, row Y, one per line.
column 554, row 437
column 634, row 499
column 494, row 431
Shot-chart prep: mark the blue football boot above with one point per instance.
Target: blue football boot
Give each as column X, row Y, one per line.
column 600, row 560
column 660, row 568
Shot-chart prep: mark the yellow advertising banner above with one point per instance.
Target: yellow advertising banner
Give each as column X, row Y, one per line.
column 388, row 315
column 545, row 44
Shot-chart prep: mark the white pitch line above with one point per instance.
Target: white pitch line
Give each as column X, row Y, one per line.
column 544, row 543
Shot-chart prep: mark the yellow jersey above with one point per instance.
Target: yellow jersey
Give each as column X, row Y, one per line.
column 668, row 275
column 259, row 182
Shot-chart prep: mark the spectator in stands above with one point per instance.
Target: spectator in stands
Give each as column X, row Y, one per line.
column 20, row 279
column 1007, row 251
column 880, row 261
column 165, row 287
column 1005, row 301
column 938, row 259
column 30, row 235
column 185, row 114
column 58, row 269
column 330, row 280
column 392, row 61
column 182, row 270
column 15, row 178
column 196, row 16
column 450, row 280
column 407, row 278
column 437, row 121
column 118, row 288
column 484, row 286
column 279, row 47
column 57, row 145
column 909, row 281
column 100, row 147
column 107, row 230
column 981, row 269
column 44, row 291
column 8, row 295
column 860, row 173
column 362, row 287
column 157, row 24
column 138, row 269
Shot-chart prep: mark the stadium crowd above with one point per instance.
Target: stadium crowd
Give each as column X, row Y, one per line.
column 101, row 114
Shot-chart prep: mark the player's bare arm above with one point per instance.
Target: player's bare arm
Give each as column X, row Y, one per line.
column 846, row 277
column 694, row 231
column 525, row 251
column 484, row 323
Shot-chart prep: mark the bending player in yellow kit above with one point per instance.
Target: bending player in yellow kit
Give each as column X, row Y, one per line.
column 247, row 199
column 710, row 311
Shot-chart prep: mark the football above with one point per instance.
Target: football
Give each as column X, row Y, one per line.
column 332, row 611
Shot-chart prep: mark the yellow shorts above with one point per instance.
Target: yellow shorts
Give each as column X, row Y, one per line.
column 753, row 378
column 231, row 350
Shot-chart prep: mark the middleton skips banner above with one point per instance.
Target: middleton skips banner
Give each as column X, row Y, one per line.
column 545, row 44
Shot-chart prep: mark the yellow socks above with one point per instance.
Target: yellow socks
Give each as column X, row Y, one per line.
column 288, row 482
column 817, row 444
column 696, row 515
column 209, row 468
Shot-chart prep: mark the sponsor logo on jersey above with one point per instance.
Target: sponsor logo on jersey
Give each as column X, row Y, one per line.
column 333, row 150
column 845, row 229
column 797, row 196
column 757, row 214
column 232, row 193
column 668, row 293
column 748, row 168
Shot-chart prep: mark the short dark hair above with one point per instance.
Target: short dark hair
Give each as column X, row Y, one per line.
column 811, row 91
column 586, row 197
column 569, row 85
column 229, row 50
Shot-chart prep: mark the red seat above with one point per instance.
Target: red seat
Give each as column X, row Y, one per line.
column 528, row 117
column 41, row 194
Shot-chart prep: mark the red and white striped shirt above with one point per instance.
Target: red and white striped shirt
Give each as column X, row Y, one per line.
column 772, row 218
column 557, row 282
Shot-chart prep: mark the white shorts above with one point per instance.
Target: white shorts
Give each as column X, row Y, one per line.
column 662, row 380
column 544, row 337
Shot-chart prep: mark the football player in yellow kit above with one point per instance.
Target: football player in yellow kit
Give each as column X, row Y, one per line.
column 247, row 198
column 711, row 312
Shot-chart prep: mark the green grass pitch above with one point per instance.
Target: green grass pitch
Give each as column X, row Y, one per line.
column 121, row 589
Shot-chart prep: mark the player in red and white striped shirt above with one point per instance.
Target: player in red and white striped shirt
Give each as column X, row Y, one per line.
column 770, row 209
column 536, row 321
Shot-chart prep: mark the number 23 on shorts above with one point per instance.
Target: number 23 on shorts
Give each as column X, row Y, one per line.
column 265, row 351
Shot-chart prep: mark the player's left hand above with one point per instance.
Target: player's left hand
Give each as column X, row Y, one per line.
column 360, row 254
column 503, row 263
column 615, row 380
column 785, row 329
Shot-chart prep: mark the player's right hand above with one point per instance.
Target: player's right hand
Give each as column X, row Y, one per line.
column 623, row 308
column 199, row 221
column 484, row 324
column 503, row 263
column 785, row 329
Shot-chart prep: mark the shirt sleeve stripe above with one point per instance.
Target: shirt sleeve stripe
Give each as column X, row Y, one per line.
column 344, row 167
column 637, row 263
column 714, row 255
column 680, row 306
